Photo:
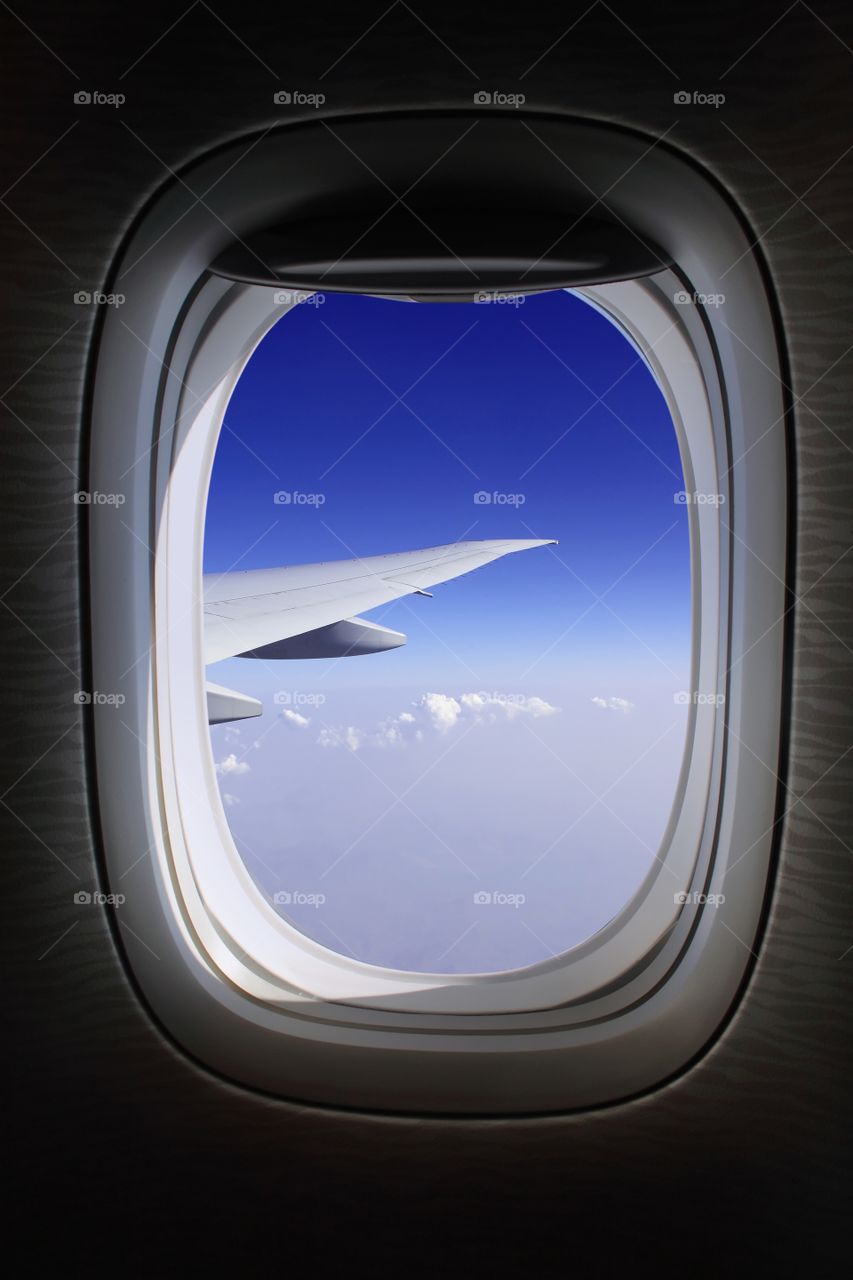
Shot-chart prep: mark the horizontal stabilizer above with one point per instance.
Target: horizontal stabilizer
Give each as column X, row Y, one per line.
column 226, row 704
column 345, row 639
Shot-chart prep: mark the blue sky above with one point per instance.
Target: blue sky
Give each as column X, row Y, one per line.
column 379, row 783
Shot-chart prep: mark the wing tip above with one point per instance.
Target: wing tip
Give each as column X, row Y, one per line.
column 525, row 544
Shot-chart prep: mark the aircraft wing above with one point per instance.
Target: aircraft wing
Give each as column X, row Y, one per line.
column 310, row 610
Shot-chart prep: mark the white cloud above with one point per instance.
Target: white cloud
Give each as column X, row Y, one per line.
column 229, row 799
column 294, row 718
column 614, row 704
column 489, row 707
column 539, row 707
column 438, row 713
column 231, row 765
column 442, row 711
column 349, row 737
column 390, row 734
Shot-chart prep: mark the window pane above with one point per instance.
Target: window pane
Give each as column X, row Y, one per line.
column 491, row 793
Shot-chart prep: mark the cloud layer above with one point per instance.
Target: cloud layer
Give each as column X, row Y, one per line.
column 437, row 714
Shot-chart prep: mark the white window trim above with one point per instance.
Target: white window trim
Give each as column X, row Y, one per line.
column 265, row 955
column 243, row 989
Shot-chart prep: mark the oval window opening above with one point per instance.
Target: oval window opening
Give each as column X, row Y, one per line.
column 475, row 772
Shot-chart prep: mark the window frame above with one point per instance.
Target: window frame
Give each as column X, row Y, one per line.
column 233, row 981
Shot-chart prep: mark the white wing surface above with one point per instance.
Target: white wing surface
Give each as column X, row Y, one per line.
column 310, row 610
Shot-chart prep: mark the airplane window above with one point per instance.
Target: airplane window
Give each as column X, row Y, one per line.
column 448, row 634
column 447, row 625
